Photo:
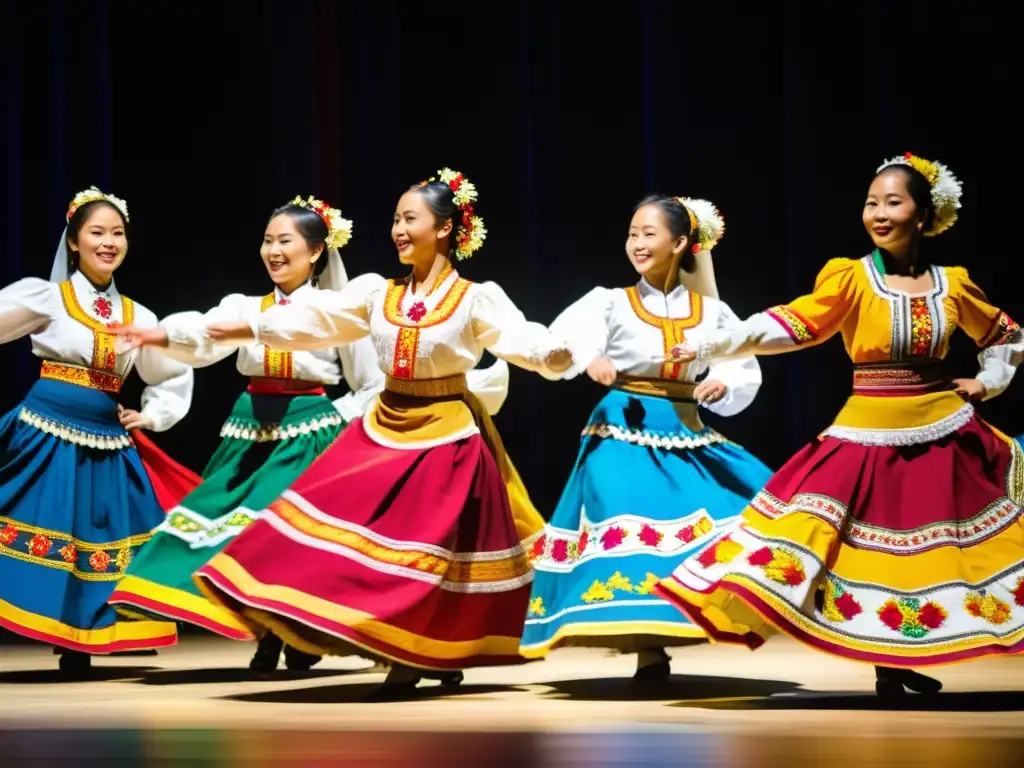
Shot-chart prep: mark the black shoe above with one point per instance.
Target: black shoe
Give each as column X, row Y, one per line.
column 299, row 661
column 268, row 654
column 892, row 681
column 658, row 672
column 75, row 664
column 448, row 679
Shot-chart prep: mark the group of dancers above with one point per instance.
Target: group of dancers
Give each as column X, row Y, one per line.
column 391, row 524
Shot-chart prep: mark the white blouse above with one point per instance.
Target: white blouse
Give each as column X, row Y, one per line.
column 441, row 334
column 357, row 363
column 636, row 329
column 38, row 308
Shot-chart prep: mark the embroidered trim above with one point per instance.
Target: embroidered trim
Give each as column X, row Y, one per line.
column 276, row 364
column 104, row 358
column 1004, row 331
column 672, row 329
column 269, row 433
column 56, row 549
column 200, row 532
column 403, row 365
column 646, row 439
column 995, row 518
column 902, row 316
column 74, row 435
column 826, row 508
column 82, row 377
column 799, row 328
column 907, row 435
column 559, row 550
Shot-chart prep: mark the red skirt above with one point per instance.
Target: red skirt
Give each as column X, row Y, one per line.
column 893, row 555
column 406, row 555
column 171, row 481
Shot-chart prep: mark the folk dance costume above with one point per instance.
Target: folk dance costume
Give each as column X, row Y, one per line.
column 651, row 482
column 896, row 536
column 75, row 499
column 171, row 481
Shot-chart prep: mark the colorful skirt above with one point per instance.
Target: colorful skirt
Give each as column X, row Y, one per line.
column 651, row 484
column 400, row 542
column 881, row 541
column 170, row 480
column 268, row 441
column 75, row 505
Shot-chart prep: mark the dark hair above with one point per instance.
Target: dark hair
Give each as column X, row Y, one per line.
column 440, row 200
column 919, row 189
column 312, row 228
column 678, row 220
column 77, row 221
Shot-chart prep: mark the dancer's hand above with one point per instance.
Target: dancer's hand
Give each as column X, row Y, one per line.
column 709, row 391
column 559, row 360
column 602, row 370
column 682, row 353
column 132, row 419
column 133, row 338
column 970, row 389
column 234, row 331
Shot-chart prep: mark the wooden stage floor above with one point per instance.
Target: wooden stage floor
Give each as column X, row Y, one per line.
column 782, row 705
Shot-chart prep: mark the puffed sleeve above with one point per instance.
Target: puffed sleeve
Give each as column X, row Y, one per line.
column 741, row 375
column 321, row 319
column 26, row 307
column 168, row 394
column 186, row 332
column 804, row 322
column 361, row 368
column 1000, row 338
column 584, row 325
column 505, row 332
column 490, row 385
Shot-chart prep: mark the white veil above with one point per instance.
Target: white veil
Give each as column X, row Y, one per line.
column 702, row 279
column 59, row 270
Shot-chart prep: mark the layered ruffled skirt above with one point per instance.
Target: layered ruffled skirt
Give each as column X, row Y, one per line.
column 403, row 541
column 267, row 442
column 75, row 505
column 894, row 538
column 651, row 485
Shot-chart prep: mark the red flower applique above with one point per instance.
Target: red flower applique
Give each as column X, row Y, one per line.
column 847, row 606
column 538, row 547
column 763, row 556
column 584, row 538
column 417, row 311
column 99, row 561
column 102, row 307
column 1018, row 592
column 8, row 534
column 650, row 536
column 39, row 545
column 686, row 534
column 560, row 551
column 891, row 615
column 613, row 537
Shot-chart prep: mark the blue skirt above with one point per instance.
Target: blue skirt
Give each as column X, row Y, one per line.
column 75, row 505
column 647, row 490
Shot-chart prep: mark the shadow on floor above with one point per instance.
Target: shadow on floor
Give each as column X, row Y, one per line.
column 999, row 701
column 677, row 687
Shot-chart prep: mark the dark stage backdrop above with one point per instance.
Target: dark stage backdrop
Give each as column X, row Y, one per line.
column 206, row 116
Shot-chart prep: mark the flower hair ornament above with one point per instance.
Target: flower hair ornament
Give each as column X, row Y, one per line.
column 470, row 232
column 93, row 195
column 339, row 230
column 705, row 220
column 946, row 189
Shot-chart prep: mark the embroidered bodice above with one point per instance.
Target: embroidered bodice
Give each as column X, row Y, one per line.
column 637, row 327
column 879, row 324
column 440, row 334
column 68, row 322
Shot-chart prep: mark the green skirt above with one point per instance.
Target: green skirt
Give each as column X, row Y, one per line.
column 268, row 441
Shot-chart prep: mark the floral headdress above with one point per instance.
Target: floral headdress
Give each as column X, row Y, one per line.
column 92, row 195
column 705, row 220
column 946, row 189
column 339, row 230
column 470, row 232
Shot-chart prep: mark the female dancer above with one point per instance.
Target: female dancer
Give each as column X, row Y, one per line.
column 894, row 538
column 76, row 503
column 400, row 542
column 651, row 482
column 278, row 426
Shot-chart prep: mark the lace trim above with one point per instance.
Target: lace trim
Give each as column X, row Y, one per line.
column 650, row 440
column 73, row 434
column 269, row 433
column 906, row 436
